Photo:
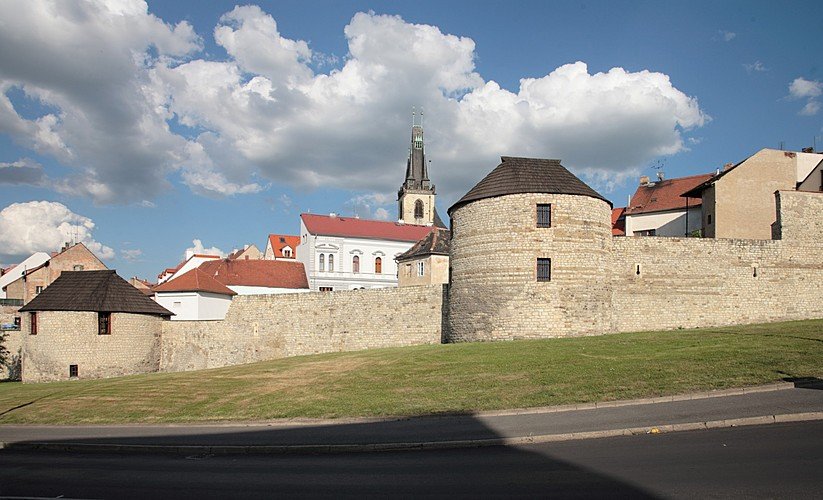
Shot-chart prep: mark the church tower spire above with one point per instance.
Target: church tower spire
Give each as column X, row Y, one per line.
column 415, row 199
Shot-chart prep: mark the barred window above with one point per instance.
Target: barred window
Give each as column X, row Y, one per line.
column 544, row 215
column 104, row 323
column 544, row 269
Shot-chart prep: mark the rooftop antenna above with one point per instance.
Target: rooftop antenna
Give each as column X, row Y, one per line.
column 781, row 146
column 413, row 114
column 421, row 117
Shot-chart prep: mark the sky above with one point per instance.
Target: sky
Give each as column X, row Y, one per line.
column 146, row 129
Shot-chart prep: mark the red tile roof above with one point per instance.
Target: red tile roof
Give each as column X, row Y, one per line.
column 263, row 273
column 195, row 280
column 618, row 221
column 665, row 195
column 280, row 241
column 351, row 227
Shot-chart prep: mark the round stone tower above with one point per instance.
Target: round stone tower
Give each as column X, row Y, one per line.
column 530, row 256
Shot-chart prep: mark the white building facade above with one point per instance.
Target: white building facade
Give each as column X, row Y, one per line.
column 341, row 253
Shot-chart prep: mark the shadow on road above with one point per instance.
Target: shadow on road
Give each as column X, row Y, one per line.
column 806, row 382
column 490, row 471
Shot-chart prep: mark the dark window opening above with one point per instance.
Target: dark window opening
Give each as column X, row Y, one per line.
column 544, row 269
column 326, row 289
column 418, row 209
column 104, row 323
column 708, row 219
column 33, row 321
column 72, row 371
column 544, row 215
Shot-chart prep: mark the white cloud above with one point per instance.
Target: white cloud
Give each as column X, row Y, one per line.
column 381, row 214
column 131, row 255
column 801, row 88
column 198, row 248
column 811, row 108
column 264, row 113
column 726, row 36
column 22, row 171
column 756, row 66
column 44, row 226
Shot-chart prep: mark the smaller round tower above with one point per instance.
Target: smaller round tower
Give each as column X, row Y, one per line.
column 530, row 254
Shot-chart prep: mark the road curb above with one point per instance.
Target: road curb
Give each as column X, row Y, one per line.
column 201, row 450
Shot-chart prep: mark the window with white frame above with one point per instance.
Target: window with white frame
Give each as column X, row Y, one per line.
column 420, row 268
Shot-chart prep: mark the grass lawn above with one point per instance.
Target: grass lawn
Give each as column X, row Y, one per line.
column 436, row 379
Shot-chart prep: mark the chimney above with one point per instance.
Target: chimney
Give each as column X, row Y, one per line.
column 332, row 214
column 644, row 180
column 660, row 175
column 727, row 166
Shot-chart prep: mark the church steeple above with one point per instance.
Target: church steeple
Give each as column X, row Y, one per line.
column 416, row 195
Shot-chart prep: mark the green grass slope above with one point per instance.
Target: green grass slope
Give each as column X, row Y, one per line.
column 437, row 378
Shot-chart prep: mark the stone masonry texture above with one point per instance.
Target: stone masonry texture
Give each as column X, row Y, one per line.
column 261, row 327
column 601, row 284
column 70, row 338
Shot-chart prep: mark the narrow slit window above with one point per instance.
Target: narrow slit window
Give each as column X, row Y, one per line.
column 637, row 269
column 544, row 269
column 33, row 323
column 544, row 215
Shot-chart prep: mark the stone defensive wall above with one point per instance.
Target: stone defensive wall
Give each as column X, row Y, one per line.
column 262, row 327
column 697, row 282
column 601, row 284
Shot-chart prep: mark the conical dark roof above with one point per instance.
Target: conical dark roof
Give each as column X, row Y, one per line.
column 96, row 291
column 527, row 175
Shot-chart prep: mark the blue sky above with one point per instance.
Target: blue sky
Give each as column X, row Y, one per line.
column 141, row 128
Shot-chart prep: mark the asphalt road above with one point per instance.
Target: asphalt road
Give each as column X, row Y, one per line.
column 778, row 460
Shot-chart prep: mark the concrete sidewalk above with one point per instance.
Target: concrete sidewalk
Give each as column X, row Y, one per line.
column 753, row 406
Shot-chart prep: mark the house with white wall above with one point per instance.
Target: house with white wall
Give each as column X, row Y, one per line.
column 35, row 260
column 281, row 246
column 194, row 296
column 658, row 209
column 193, row 261
column 258, row 277
column 347, row 253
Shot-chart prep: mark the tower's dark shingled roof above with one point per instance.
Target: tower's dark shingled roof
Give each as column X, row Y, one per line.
column 527, row 175
column 436, row 242
column 96, row 291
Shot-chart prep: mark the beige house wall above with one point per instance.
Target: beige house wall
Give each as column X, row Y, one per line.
column 435, row 271
column 78, row 255
column 70, row 338
column 261, row 327
column 744, row 206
